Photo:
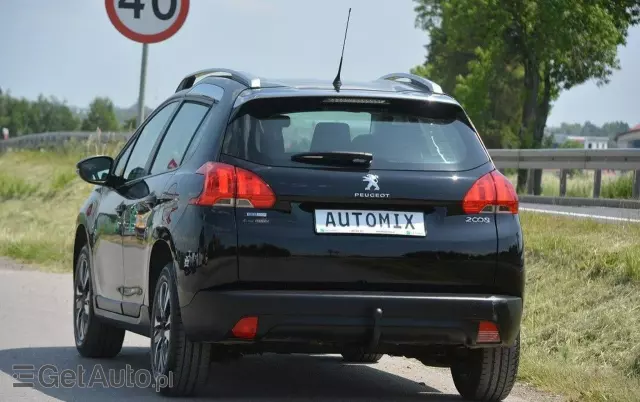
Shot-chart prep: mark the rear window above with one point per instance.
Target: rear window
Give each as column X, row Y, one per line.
column 400, row 134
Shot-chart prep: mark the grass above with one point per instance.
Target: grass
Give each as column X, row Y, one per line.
column 581, row 329
column 40, row 195
column 581, row 333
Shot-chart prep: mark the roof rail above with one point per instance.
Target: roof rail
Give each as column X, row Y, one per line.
column 415, row 80
column 243, row 78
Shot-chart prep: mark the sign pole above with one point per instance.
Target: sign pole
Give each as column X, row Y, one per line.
column 143, row 79
column 146, row 25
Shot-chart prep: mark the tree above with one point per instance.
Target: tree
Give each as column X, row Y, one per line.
column 51, row 115
column 590, row 130
column 22, row 117
column 613, row 128
column 101, row 116
column 486, row 81
column 558, row 44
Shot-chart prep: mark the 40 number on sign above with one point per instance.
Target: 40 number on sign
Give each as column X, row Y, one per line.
column 138, row 6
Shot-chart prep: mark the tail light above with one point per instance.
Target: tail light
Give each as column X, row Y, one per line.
column 226, row 185
column 488, row 333
column 246, row 328
column 491, row 193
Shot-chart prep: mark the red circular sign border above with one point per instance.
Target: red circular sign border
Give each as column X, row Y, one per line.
column 141, row 38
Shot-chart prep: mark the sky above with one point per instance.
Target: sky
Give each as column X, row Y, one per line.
column 69, row 49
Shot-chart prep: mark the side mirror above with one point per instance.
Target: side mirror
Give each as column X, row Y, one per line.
column 95, row 170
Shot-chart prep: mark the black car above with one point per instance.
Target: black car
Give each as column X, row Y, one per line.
column 249, row 216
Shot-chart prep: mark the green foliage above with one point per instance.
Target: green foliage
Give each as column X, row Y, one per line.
column 571, row 144
column 580, row 184
column 619, row 188
column 12, row 187
column 39, row 195
column 101, row 116
column 21, row 116
column 507, row 61
column 62, row 179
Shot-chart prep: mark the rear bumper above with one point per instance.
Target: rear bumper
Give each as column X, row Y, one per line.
column 342, row 318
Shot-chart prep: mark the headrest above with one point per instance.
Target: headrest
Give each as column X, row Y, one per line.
column 329, row 137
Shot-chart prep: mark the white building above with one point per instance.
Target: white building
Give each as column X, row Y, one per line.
column 596, row 142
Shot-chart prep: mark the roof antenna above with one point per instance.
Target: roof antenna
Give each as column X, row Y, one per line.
column 337, row 83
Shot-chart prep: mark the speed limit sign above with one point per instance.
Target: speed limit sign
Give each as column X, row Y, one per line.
column 147, row 21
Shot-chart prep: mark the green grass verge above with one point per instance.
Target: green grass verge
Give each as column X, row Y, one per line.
column 582, row 309
column 581, row 334
column 40, row 195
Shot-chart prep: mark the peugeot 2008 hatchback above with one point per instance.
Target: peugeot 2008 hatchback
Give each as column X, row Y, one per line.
column 248, row 216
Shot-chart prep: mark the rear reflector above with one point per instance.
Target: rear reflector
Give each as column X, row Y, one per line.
column 488, row 333
column 491, row 193
column 226, row 185
column 246, row 328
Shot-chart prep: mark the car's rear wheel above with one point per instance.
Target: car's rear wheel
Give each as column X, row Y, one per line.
column 94, row 338
column 487, row 374
column 182, row 363
column 359, row 355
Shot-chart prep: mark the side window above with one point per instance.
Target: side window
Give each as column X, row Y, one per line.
column 146, row 141
column 178, row 136
column 122, row 162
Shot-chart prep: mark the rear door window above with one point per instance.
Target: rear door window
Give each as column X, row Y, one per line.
column 403, row 135
column 136, row 166
column 178, row 136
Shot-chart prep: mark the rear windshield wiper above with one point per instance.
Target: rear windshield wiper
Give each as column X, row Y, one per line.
column 334, row 158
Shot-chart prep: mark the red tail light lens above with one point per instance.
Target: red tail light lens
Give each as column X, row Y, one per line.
column 219, row 184
column 253, row 189
column 246, row 328
column 226, row 185
column 488, row 333
column 506, row 196
column 491, row 193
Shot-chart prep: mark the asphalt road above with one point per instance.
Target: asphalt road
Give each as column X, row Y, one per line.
column 612, row 215
column 36, row 329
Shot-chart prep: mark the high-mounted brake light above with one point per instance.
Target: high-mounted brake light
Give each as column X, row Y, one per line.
column 226, row 185
column 491, row 193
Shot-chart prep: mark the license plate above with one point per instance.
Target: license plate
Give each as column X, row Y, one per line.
column 394, row 223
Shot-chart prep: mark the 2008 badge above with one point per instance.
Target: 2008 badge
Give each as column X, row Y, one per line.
column 478, row 219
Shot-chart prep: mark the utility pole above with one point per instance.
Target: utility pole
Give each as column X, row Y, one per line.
column 143, row 79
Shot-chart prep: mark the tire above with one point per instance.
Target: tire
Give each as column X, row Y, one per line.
column 360, row 356
column 94, row 338
column 184, row 363
column 487, row 374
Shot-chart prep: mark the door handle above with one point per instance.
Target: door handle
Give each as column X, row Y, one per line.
column 151, row 201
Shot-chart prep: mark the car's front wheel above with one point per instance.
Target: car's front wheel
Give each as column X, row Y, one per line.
column 487, row 374
column 183, row 365
column 94, row 338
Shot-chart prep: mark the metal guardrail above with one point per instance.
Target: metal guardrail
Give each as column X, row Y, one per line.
column 627, row 159
column 56, row 139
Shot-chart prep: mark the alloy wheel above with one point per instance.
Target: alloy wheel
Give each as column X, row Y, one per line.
column 82, row 299
column 161, row 329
